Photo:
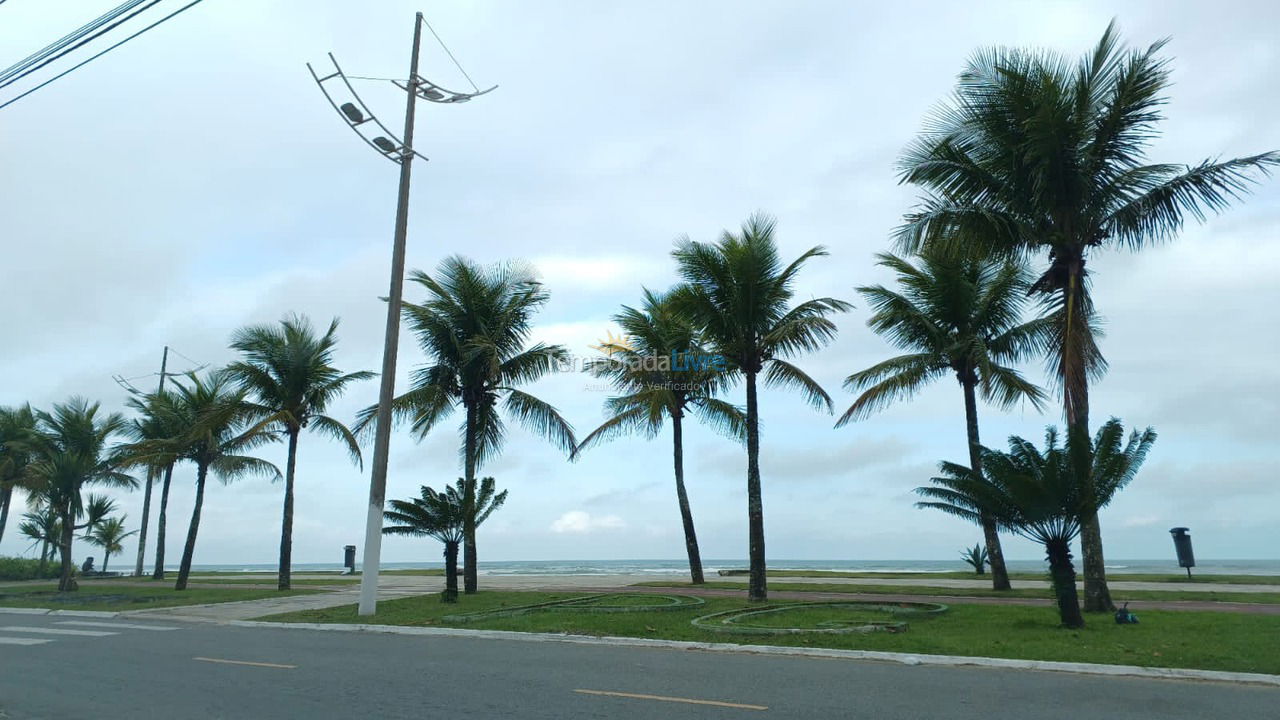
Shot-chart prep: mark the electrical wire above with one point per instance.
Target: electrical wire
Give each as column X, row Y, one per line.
column 69, row 38
column 81, row 64
column 82, row 43
column 451, row 57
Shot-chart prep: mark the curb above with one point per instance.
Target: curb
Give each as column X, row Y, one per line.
column 875, row 655
column 62, row 613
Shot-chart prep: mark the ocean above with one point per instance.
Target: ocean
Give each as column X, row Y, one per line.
column 667, row 567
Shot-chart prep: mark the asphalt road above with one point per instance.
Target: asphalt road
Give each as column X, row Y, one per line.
column 63, row 667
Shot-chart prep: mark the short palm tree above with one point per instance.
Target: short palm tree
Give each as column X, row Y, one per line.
column 1045, row 496
column 109, row 535
column 217, row 429
column 664, row 372
column 42, row 527
column 1039, row 154
column 474, row 327
column 977, row 558
column 955, row 316
column 738, row 294
column 443, row 516
column 288, row 371
column 155, row 433
column 17, row 430
column 73, row 451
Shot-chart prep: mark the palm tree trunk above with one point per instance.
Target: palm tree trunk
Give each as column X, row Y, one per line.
column 757, row 588
column 158, row 573
column 142, row 527
column 286, row 524
column 6, row 497
column 189, row 550
column 1064, row 583
column 1075, row 374
column 470, row 580
column 990, row 534
column 64, row 547
column 450, row 572
column 106, row 558
column 686, row 515
column 44, row 556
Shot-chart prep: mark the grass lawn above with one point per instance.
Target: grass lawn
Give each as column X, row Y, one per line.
column 1118, row 596
column 1129, row 577
column 1205, row 640
column 126, row 597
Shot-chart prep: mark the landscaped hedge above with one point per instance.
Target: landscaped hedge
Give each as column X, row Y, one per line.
column 16, row 568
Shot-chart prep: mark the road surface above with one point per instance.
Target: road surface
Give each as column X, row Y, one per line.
column 58, row 667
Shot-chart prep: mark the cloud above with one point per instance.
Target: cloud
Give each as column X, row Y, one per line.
column 578, row 522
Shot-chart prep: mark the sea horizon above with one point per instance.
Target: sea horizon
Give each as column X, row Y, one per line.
column 670, row 566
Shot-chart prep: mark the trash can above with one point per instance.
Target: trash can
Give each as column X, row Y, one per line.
column 349, row 558
column 1182, row 544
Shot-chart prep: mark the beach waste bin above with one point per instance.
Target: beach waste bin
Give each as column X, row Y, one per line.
column 349, row 557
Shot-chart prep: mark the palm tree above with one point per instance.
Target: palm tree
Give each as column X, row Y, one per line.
column 155, row 433
column 1045, row 496
column 217, row 430
column 17, row 428
column 73, row 451
column 664, row 372
column 738, row 294
column 474, row 326
column 109, row 535
column 288, row 370
column 1040, row 154
column 955, row 316
column 443, row 516
column 41, row 526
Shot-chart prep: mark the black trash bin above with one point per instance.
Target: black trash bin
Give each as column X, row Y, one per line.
column 1182, row 544
column 349, row 558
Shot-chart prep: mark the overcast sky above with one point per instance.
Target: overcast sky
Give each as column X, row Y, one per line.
column 195, row 180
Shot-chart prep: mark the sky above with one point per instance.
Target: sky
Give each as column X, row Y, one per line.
column 195, row 180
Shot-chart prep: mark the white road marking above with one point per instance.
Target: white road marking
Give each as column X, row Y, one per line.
column 55, row 631
column 23, row 641
column 124, row 626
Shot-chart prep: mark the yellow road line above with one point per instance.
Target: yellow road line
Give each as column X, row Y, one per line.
column 245, row 662
column 664, row 698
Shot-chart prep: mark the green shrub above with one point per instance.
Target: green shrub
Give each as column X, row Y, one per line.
column 16, row 568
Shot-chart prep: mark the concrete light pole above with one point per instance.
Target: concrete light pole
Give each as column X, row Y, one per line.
column 358, row 116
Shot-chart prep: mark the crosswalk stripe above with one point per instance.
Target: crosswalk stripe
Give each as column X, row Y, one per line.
column 56, row 631
column 123, row 626
column 23, row 641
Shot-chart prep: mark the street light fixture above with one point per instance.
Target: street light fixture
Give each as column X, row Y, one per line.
column 357, row 115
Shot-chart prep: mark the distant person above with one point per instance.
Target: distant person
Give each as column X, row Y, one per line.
column 87, row 567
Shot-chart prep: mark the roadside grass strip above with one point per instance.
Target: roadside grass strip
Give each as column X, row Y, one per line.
column 834, row 618
column 602, row 603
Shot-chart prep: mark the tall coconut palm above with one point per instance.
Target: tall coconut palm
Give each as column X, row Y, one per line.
column 288, row 371
column 73, row 451
column 474, row 327
column 155, row 433
column 217, row 429
column 1045, row 496
column 955, row 316
column 1039, row 154
column 738, row 293
column 664, row 372
column 17, row 430
column 109, row 535
column 443, row 516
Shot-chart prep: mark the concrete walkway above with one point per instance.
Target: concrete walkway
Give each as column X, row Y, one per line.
column 1017, row 584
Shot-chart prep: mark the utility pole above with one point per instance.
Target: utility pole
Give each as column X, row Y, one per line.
column 151, row 473
column 391, row 344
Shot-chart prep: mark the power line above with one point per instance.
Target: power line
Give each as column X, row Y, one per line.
column 80, row 44
column 69, row 38
column 81, row 64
